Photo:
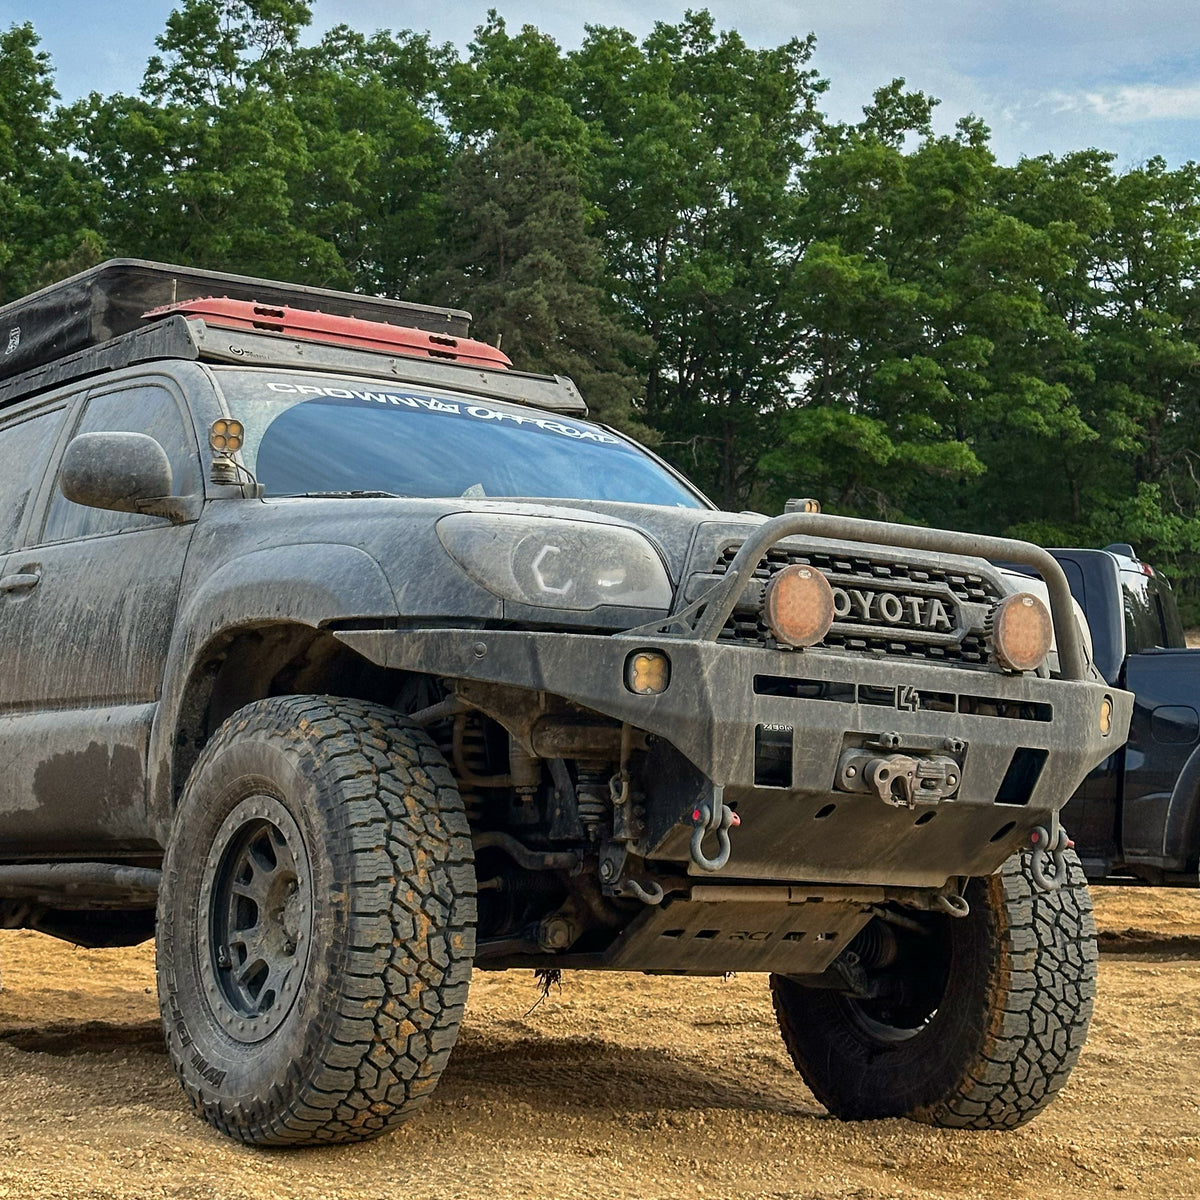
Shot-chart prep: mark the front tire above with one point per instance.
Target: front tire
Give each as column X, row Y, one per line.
column 315, row 923
column 989, row 1023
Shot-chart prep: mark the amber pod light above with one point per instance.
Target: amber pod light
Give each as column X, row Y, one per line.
column 798, row 606
column 1022, row 632
column 647, row 672
column 226, row 435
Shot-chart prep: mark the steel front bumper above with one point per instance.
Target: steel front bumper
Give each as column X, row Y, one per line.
column 722, row 698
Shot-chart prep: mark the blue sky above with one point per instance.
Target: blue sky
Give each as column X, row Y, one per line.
column 1046, row 75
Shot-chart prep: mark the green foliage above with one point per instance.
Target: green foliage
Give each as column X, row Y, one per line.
column 518, row 254
column 701, row 137
column 868, row 312
column 47, row 201
column 248, row 152
column 197, row 166
column 370, row 183
column 520, row 86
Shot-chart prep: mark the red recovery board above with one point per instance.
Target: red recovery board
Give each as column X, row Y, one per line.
column 342, row 331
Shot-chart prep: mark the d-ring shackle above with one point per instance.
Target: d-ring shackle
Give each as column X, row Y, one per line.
column 703, row 821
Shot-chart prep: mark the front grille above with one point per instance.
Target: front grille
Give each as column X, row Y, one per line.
column 854, row 632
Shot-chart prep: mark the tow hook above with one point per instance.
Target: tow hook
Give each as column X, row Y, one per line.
column 1053, row 846
column 648, row 893
column 952, row 904
column 718, row 819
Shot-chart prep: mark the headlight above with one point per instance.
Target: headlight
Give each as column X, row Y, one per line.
column 552, row 563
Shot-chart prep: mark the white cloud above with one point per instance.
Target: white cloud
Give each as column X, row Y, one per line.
column 1048, row 76
column 1134, row 102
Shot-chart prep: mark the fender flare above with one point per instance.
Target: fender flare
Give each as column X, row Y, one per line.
column 298, row 584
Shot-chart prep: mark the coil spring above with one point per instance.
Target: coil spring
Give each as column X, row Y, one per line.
column 473, row 755
column 592, row 792
column 875, row 945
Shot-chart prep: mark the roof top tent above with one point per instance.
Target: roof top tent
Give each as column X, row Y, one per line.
column 129, row 310
column 111, row 299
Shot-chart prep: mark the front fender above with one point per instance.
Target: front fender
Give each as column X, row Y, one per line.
column 307, row 584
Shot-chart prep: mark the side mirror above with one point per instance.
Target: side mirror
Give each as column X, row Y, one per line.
column 126, row 472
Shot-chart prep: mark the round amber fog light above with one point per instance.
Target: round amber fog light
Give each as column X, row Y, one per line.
column 1022, row 632
column 798, row 606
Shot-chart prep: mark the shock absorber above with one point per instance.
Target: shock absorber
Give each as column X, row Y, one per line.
column 524, row 770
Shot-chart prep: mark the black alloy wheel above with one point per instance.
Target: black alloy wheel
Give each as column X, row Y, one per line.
column 258, row 895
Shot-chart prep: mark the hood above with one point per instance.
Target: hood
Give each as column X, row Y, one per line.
column 693, row 544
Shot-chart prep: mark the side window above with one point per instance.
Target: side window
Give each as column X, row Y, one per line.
column 1168, row 613
column 1074, row 574
column 25, row 447
column 146, row 408
column 1143, row 629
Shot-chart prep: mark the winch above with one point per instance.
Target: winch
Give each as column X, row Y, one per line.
column 902, row 779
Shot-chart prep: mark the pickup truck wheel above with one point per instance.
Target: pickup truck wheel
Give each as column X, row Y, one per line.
column 316, row 922
column 985, row 1024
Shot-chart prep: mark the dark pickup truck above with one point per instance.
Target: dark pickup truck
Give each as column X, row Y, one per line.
column 1138, row 813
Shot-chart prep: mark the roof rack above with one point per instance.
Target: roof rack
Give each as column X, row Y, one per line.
column 129, row 310
column 112, row 299
column 190, row 338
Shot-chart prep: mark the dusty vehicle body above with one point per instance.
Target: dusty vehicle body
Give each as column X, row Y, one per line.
column 566, row 703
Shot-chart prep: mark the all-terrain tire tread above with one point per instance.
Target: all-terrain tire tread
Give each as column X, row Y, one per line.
column 1040, row 1003
column 1033, row 1024
column 406, row 961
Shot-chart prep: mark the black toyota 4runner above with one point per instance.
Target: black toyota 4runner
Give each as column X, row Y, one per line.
column 343, row 658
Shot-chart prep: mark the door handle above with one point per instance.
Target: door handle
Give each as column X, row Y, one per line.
column 22, row 582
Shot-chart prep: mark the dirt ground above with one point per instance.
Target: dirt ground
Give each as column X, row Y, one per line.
column 615, row 1086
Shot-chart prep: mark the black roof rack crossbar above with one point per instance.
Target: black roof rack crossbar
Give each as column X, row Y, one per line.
column 187, row 338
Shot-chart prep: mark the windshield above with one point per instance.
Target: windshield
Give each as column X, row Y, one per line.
column 309, row 434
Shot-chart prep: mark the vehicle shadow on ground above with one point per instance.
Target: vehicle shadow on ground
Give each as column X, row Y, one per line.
column 581, row 1073
column 573, row 1074
column 68, row 1038
column 1148, row 944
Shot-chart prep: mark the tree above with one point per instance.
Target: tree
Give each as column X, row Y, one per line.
column 377, row 154
column 47, row 201
column 520, row 87
column 518, row 254
column 699, row 140
column 904, row 286
column 247, row 152
column 196, row 167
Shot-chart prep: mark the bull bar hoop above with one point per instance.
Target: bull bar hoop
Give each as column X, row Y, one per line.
column 713, row 609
